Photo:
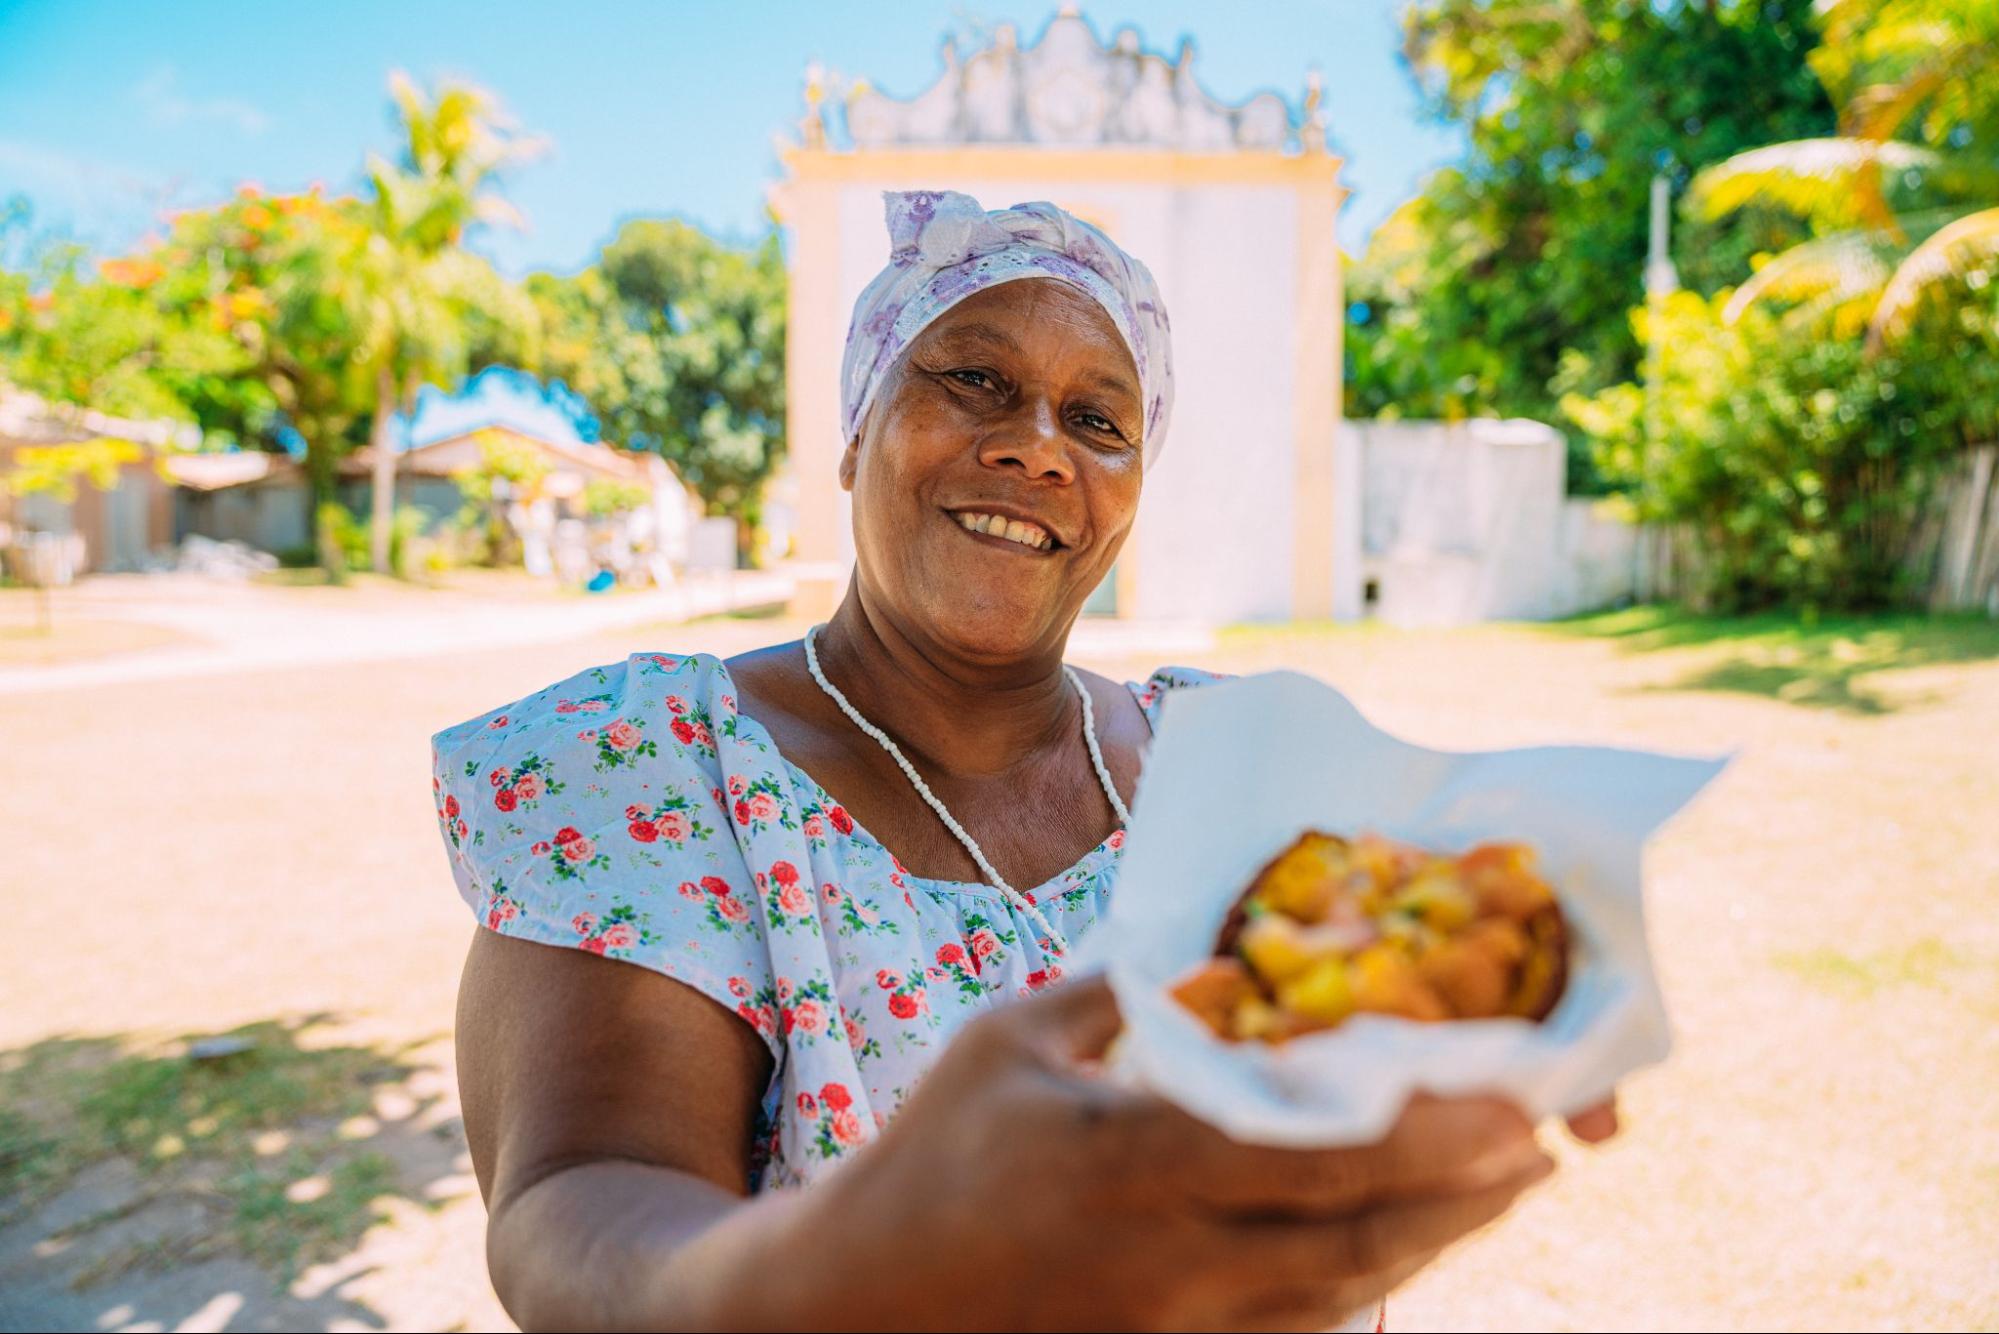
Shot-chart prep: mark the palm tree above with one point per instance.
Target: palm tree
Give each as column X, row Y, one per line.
column 423, row 296
column 1907, row 196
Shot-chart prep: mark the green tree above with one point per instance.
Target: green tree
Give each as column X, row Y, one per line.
column 96, row 336
column 425, row 303
column 1799, row 423
column 1904, row 203
column 275, row 275
column 285, row 322
column 1534, row 244
column 101, row 336
column 677, row 340
column 239, row 319
column 1801, row 467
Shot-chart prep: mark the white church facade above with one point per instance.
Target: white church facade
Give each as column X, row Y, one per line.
column 1233, row 208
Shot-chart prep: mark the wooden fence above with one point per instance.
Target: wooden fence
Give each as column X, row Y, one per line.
column 1956, row 554
column 1953, row 557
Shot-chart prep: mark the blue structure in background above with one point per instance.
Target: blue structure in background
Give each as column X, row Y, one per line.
column 499, row 396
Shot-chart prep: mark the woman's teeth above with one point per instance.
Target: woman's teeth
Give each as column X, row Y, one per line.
column 1013, row 530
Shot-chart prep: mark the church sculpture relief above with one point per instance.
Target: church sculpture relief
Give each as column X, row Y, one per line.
column 1067, row 90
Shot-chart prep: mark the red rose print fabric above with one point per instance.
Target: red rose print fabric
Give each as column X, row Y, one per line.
column 632, row 812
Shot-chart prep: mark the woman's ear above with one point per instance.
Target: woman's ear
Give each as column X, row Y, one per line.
column 850, row 462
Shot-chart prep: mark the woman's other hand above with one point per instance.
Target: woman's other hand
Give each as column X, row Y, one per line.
column 1595, row 1124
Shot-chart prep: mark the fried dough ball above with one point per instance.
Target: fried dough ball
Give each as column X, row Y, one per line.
column 1334, row 927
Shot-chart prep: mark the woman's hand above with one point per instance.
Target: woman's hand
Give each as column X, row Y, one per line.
column 1016, row 1190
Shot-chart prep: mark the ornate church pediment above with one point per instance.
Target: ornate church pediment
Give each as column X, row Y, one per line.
column 1068, row 90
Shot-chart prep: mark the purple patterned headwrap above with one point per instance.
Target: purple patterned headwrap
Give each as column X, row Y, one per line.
column 944, row 247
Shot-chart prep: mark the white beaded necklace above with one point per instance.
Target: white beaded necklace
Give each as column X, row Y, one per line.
column 993, row 877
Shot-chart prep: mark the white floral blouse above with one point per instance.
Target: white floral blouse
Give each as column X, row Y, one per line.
column 631, row 811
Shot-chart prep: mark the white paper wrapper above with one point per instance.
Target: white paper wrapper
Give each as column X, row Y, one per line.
column 1239, row 770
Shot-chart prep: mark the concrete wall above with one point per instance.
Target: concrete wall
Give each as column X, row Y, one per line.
column 1467, row 521
column 274, row 517
column 121, row 527
column 1602, row 559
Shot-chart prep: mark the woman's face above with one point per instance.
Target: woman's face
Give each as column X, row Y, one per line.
column 1020, row 404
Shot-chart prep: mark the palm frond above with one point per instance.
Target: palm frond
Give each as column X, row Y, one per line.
column 1881, row 110
column 1966, row 247
column 1840, row 268
column 1851, row 266
column 1835, row 183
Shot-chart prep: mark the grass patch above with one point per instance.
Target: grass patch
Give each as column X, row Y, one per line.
column 27, row 1155
column 1824, row 662
column 276, row 1137
column 767, row 611
column 309, row 575
column 318, row 576
column 276, row 1222
column 1926, row 963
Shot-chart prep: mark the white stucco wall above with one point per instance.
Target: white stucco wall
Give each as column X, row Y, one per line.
column 1216, row 533
column 1468, row 521
column 1602, row 559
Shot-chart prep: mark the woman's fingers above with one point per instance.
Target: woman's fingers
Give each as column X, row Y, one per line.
column 1378, row 1241
column 1324, row 1303
column 1438, row 1145
column 1073, row 1022
column 1594, row 1125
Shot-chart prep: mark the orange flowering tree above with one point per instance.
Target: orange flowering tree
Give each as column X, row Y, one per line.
column 98, row 335
column 271, row 275
column 288, row 321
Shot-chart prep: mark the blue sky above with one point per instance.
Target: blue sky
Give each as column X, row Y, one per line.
column 110, row 112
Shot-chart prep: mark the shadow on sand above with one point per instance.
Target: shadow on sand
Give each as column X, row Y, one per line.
column 216, row 1181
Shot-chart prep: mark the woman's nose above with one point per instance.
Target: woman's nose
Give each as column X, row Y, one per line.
column 1031, row 439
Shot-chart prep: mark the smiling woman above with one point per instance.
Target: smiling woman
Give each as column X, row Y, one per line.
column 1012, row 425
column 831, row 877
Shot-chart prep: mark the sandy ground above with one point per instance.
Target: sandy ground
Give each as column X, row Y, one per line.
column 196, row 626
column 1821, row 1152
column 24, row 642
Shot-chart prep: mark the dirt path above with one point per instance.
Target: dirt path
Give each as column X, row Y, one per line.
column 1822, row 1152
column 195, row 626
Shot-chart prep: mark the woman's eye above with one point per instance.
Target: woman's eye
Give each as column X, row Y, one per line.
column 976, row 379
column 1092, row 421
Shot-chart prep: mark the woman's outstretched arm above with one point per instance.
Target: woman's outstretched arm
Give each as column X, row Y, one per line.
column 610, row 1110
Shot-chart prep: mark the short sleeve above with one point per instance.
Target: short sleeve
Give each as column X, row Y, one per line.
column 591, row 815
column 1162, row 683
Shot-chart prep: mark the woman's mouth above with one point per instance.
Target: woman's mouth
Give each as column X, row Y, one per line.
column 1028, row 535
